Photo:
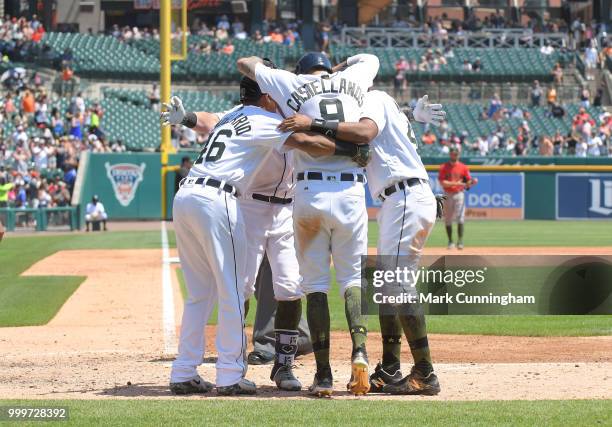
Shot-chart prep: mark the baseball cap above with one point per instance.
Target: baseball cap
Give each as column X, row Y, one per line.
column 453, row 149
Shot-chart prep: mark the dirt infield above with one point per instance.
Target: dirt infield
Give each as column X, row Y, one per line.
column 108, row 341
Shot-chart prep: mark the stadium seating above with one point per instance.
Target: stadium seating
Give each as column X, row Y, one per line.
column 121, row 104
column 105, row 56
column 520, row 64
column 124, row 108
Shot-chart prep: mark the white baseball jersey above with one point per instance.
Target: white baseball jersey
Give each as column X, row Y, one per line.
column 339, row 96
column 242, row 138
column 276, row 178
column 394, row 154
column 211, row 236
column 95, row 209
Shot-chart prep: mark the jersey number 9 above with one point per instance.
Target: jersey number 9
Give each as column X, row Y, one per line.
column 331, row 109
column 214, row 147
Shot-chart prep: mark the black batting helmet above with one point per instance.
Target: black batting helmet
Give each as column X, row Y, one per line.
column 311, row 61
column 249, row 90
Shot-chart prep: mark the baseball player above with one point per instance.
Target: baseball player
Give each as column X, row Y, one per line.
column 455, row 178
column 210, row 234
column 267, row 215
column 95, row 212
column 330, row 217
column 398, row 178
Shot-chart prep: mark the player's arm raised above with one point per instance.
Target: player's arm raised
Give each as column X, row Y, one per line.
column 175, row 114
column 246, row 66
column 361, row 132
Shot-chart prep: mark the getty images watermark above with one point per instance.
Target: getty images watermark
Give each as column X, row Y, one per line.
column 488, row 285
column 405, row 278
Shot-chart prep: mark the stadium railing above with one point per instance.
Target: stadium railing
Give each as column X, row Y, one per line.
column 43, row 219
column 486, row 38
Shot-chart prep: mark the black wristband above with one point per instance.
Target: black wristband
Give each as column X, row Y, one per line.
column 328, row 128
column 190, row 120
column 344, row 148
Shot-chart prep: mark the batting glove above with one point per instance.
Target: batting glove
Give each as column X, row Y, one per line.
column 425, row 112
column 174, row 114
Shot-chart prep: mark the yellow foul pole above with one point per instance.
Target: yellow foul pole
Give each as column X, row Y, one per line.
column 164, row 86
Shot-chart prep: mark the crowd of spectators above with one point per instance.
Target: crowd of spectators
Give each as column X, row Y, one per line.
column 40, row 145
column 588, row 136
column 18, row 36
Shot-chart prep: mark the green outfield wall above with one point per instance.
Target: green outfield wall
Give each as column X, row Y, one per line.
column 129, row 185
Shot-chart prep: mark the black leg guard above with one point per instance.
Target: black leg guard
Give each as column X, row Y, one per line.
column 288, row 314
column 318, row 322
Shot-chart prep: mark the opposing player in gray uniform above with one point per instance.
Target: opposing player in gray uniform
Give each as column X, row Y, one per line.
column 398, row 178
column 330, row 216
column 210, row 247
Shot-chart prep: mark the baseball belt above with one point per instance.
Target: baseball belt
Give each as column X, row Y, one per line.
column 209, row 182
column 318, row 176
column 272, row 199
column 399, row 186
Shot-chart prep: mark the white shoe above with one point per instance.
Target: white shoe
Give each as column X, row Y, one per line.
column 460, row 245
column 451, row 245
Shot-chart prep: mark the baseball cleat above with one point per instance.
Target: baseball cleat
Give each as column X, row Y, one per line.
column 243, row 386
column 323, row 384
column 283, row 376
column 260, row 358
column 382, row 377
column 360, row 378
column 194, row 385
column 415, row 383
column 451, row 245
column 460, row 245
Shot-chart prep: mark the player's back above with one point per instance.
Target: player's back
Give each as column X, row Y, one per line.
column 338, row 96
column 238, row 145
column 331, row 97
column 394, row 150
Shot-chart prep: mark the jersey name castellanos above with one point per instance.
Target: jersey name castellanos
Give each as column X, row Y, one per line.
column 339, row 96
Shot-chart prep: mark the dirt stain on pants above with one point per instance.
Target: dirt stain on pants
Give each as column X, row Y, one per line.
column 306, row 229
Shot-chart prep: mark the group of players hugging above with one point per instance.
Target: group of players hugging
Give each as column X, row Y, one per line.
column 284, row 174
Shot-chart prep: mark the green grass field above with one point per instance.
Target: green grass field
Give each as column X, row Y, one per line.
column 28, row 301
column 538, row 326
column 35, row 300
column 521, row 233
column 328, row 412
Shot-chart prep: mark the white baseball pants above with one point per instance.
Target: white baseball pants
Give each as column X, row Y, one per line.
column 330, row 221
column 210, row 237
column 405, row 221
column 269, row 228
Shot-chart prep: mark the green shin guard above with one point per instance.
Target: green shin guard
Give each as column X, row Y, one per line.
column 288, row 314
column 416, row 334
column 356, row 321
column 317, row 314
column 391, row 331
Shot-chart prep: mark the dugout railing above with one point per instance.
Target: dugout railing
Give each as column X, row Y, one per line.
column 43, row 219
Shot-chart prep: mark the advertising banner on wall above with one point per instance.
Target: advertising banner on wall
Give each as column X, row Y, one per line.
column 496, row 196
column 584, row 196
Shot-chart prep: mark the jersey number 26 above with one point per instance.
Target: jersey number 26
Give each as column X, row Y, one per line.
column 214, row 147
